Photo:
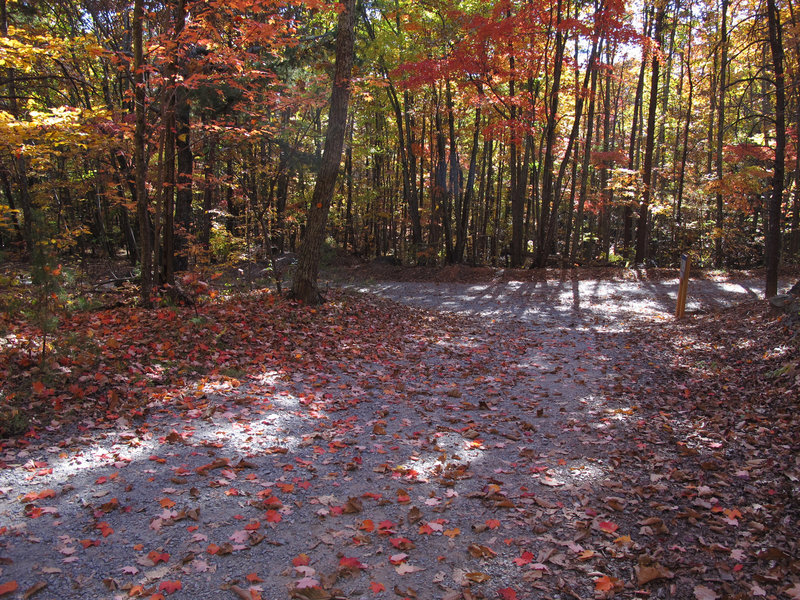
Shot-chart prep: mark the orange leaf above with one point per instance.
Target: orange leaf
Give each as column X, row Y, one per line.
column 605, row 583
column 451, row 533
column 253, row 578
column 492, row 523
column 376, row 587
column 367, row 525
column 8, row 587
column 166, row 503
column 212, row 549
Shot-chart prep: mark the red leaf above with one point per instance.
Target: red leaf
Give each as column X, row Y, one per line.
column 156, row 557
column 492, row 523
column 170, row 587
column 273, row 516
column 8, row 587
column 376, row 587
column 348, row 562
column 608, row 526
column 507, row 594
column 526, row 558
column 301, row 561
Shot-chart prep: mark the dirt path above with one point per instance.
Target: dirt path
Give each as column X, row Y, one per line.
column 485, row 449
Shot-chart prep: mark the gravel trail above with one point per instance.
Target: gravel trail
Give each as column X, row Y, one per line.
column 453, row 452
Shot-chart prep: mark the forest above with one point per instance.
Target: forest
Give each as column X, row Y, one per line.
column 533, row 133
column 514, row 413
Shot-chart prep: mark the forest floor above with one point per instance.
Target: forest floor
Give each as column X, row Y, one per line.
column 450, row 434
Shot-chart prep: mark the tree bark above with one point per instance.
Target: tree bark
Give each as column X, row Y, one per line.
column 773, row 241
column 304, row 285
column 723, row 69
column 642, row 231
column 548, row 196
column 140, row 167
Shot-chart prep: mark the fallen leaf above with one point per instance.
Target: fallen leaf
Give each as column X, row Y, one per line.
column 170, row 587
column 701, row 592
column 646, row 574
column 34, row 589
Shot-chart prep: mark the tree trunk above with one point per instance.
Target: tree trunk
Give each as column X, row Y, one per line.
column 461, row 232
column 587, row 155
column 773, row 241
column 183, row 150
column 548, row 196
column 721, row 83
column 643, row 229
column 686, row 127
column 304, row 285
column 140, row 167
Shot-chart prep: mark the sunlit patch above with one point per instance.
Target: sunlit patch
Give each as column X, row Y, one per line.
column 777, row 352
column 579, row 471
column 621, row 413
column 454, row 452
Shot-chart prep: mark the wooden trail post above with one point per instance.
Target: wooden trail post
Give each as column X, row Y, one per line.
column 683, row 288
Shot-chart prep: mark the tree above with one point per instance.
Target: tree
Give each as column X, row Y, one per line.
column 643, row 228
column 776, row 199
column 304, row 285
column 140, row 167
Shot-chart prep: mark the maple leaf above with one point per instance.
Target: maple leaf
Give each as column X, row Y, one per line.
column 301, row 560
column 526, row 558
column 608, row 526
column 606, row 583
column 452, row 533
column 170, row 587
column 492, row 523
column 240, row 536
column 376, row 587
column 253, row 578
column 702, row 592
column 349, row 563
column 402, row 543
column 367, row 525
column 396, row 559
column 306, row 582
column 507, row 594
column 405, row 569
column 156, row 557
column 273, row 516
column 8, row 587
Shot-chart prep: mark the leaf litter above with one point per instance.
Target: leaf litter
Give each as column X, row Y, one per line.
column 261, row 449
